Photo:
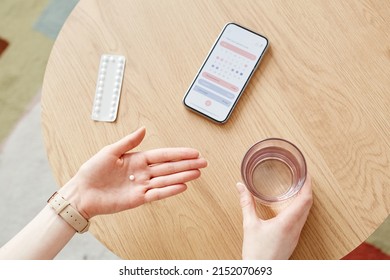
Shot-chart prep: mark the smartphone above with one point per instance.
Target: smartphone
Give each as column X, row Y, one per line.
column 225, row 73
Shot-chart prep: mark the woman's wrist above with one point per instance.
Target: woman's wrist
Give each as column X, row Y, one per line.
column 71, row 191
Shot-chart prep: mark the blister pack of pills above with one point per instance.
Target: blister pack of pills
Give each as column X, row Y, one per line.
column 108, row 88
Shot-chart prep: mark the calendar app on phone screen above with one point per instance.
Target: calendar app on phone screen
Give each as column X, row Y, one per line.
column 225, row 73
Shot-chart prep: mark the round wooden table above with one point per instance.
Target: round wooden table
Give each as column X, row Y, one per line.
column 323, row 85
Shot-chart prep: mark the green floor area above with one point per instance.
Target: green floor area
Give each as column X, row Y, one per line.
column 29, row 28
column 381, row 237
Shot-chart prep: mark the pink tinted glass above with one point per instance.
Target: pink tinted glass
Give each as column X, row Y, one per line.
column 273, row 170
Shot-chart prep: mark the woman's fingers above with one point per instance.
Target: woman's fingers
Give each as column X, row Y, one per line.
column 161, row 193
column 177, row 167
column 300, row 207
column 127, row 143
column 170, row 154
column 247, row 203
column 174, row 179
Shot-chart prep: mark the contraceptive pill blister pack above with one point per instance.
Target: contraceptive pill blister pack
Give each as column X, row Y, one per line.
column 108, row 88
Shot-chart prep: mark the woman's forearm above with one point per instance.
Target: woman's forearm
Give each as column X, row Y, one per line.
column 43, row 238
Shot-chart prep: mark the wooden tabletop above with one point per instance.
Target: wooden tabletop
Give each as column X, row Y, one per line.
column 323, row 85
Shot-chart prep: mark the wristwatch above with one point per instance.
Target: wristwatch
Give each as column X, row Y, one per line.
column 68, row 213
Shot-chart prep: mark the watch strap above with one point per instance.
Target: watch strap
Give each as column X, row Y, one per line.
column 68, row 213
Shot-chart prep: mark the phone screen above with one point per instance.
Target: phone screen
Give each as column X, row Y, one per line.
column 225, row 73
